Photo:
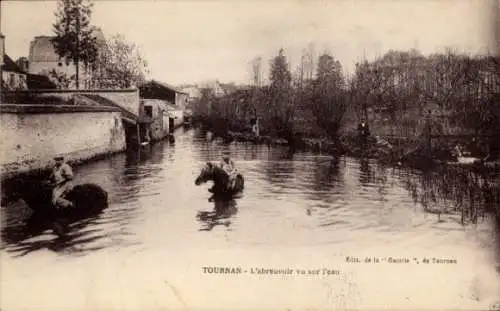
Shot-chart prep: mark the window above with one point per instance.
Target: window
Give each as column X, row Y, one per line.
column 148, row 111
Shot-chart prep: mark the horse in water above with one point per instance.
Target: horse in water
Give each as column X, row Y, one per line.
column 87, row 198
column 220, row 190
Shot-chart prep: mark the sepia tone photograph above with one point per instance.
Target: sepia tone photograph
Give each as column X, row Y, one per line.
column 249, row 155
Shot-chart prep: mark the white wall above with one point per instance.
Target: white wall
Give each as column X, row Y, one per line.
column 30, row 141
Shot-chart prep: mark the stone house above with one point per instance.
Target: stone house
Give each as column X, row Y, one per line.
column 193, row 93
column 155, row 110
column 215, row 87
column 164, row 105
column 43, row 60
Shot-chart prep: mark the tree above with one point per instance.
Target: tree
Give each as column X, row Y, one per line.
column 398, row 74
column 328, row 95
column 74, row 40
column 280, row 105
column 60, row 79
column 447, row 74
column 119, row 65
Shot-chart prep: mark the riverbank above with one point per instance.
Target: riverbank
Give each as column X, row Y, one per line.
column 347, row 144
column 398, row 151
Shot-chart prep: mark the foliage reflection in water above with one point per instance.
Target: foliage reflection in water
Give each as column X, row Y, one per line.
column 289, row 194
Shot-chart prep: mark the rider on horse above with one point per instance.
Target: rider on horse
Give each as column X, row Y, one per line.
column 228, row 166
column 60, row 179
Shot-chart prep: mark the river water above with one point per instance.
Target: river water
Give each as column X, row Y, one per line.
column 154, row 247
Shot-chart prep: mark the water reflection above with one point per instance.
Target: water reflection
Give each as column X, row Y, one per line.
column 153, row 152
column 280, row 174
column 37, row 232
column 366, row 173
column 302, row 194
column 469, row 192
column 327, row 174
column 221, row 215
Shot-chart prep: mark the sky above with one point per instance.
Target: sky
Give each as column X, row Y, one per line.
column 190, row 41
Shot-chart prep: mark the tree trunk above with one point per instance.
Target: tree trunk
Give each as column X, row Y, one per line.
column 77, row 54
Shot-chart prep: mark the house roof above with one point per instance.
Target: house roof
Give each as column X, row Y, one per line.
column 10, row 65
column 109, row 103
column 161, row 103
column 164, row 85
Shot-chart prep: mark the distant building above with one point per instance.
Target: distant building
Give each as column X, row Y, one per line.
column 43, row 59
column 163, row 117
column 159, row 90
column 215, row 87
column 13, row 78
column 164, row 105
column 193, row 93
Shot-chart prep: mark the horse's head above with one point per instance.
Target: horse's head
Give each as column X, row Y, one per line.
column 206, row 174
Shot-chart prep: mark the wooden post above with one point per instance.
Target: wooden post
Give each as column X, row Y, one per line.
column 138, row 135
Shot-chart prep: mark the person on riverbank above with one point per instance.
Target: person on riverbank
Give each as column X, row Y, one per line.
column 363, row 131
column 228, row 166
column 60, row 178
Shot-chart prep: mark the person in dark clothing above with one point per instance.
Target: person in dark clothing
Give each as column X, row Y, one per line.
column 363, row 131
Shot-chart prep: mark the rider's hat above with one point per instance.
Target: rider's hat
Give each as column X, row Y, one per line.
column 59, row 158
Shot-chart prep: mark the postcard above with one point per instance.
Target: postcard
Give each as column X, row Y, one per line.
column 250, row 155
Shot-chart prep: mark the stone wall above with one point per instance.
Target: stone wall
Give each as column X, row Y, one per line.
column 31, row 136
column 159, row 126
